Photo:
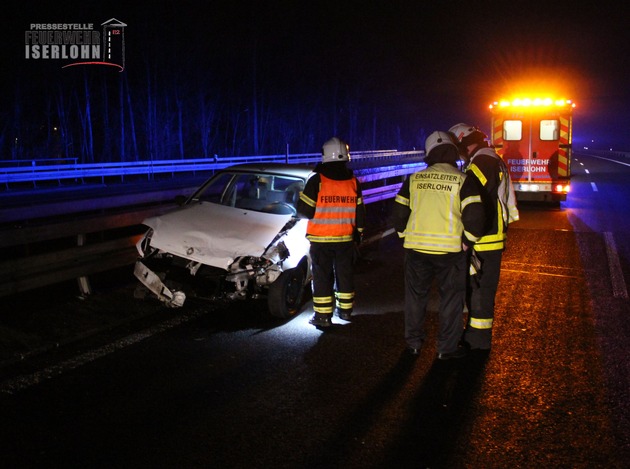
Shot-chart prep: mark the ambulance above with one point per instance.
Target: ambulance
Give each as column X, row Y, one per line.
column 533, row 136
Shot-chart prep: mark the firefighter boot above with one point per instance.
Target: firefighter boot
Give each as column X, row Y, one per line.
column 321, row 320
column 344, row 314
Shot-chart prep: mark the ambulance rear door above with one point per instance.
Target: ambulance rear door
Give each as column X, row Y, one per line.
column 530, row 144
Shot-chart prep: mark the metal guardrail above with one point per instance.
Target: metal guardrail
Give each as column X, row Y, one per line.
column 36, row 162
column 40, row 170
column 36, row 171
column 604, row 153
column 53, row 266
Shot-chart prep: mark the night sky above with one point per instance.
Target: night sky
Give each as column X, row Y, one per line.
column 435, row 63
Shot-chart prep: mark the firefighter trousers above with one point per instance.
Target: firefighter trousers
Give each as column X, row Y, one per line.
column 481, row 293
column 450, row 272
column 333, row 276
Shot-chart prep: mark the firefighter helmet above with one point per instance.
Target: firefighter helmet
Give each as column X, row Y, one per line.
column 467, row 134
column 335, row 149
column 437, row 138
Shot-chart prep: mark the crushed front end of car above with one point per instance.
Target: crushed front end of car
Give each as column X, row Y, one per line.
column 210, row 249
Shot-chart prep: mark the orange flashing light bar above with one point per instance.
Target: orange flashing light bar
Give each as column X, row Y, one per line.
column 531, row 102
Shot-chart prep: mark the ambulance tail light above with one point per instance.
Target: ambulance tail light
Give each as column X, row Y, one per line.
column 563, row 188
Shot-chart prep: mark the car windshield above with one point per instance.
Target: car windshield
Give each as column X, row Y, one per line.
column 261, row 192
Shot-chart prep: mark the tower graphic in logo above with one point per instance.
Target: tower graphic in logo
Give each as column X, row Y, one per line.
column 114, row 42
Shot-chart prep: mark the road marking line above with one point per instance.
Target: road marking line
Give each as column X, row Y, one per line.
column 609, row 160
column 19, row 383
column 594, row 186
column 379, row 236
column 529, row 272
column 616, row 274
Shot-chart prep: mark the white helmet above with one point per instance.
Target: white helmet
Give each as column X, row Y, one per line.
column 335, row 149
column 467, row 134
column 438, row 138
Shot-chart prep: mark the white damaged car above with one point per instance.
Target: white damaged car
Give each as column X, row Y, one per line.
column 238, row 236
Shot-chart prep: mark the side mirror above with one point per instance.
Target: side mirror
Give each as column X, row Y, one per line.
column 180, row 199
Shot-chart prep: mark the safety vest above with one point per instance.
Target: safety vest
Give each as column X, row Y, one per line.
column 435, row 223
column 335, row 211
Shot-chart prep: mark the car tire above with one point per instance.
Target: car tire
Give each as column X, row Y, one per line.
column 285, row 294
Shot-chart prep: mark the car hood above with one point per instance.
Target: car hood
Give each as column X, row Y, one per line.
column 214, row 234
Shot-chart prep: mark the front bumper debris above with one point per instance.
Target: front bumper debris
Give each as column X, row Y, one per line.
column 172, row 299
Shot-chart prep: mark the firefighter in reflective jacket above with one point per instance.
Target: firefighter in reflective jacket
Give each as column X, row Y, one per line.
column 333, row 204
column 483, row 163
column 438, row 211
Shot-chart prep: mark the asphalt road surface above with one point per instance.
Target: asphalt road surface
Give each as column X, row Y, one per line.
column 225, row 385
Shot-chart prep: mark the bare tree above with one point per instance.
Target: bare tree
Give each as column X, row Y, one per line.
column 207, row 113
column 132, row 121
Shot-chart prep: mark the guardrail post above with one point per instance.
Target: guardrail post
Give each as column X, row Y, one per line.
column 84, row 282
column 33, row 164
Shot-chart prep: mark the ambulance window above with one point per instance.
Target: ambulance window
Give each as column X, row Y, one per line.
column 549, row 129
column 512, row 130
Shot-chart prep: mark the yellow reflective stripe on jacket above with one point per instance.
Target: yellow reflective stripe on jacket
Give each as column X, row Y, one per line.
column 402, row 200
column 479, row 323
column 495, row 241
column 307, row 200
column 482, row 178
column 433, row 243
column 470, row 200
column 492, row 242
column 329, row 239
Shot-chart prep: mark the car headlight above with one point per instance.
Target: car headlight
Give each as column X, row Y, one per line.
column 266, row 269
column 144, row 245
column 278, row 252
